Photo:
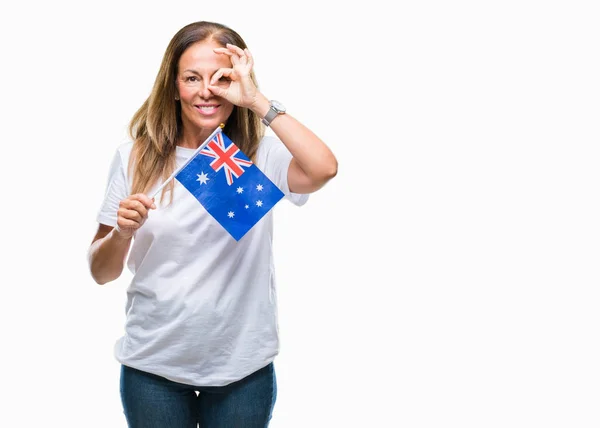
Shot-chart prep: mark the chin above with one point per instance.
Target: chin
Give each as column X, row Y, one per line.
column 212, row 123
column 204, row 122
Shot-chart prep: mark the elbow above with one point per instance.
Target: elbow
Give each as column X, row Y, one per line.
column 102, row 274
column 106, row 256
column 98, row 277
column 332, row 170
column 311, row 180
column 103, row 279
column 328, row 171
column 100, row 280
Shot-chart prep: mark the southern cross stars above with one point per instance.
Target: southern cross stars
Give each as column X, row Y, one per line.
column 239, row 191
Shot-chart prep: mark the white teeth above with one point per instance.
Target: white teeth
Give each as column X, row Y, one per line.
column 205, row 108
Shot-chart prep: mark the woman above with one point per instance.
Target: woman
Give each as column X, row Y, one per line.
column 201, row 326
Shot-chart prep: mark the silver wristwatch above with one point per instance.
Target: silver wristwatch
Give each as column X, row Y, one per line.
column 276, row 108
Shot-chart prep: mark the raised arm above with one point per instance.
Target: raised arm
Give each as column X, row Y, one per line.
column 313, row 163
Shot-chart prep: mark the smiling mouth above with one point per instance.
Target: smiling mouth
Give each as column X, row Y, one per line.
column 207, row 109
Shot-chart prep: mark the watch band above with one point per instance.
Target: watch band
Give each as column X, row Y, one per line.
column 275, row 109
column 271, row 114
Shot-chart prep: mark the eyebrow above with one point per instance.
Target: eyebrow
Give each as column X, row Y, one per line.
column 189, row 70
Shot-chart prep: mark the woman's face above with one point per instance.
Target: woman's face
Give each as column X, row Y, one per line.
column 201, row 111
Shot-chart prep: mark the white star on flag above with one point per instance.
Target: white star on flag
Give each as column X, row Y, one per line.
column 202, row 178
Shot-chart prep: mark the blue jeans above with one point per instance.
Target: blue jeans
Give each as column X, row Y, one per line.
column 151, row 401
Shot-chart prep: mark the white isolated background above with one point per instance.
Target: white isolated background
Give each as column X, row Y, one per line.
column 447, row 277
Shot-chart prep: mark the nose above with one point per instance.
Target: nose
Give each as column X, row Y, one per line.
column 203, row 90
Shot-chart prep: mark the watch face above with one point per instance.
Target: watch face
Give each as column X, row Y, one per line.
column 278, row 106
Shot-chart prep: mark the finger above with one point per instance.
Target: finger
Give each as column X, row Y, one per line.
column 236, row 54
column 227, row 72
column 144, row 199
column 132, row 215
column 241, row 54
column 232, row 56
column 136, row 212
column 217, row 91
column 236, row 49
column 223, row 51
column 134, row 205
column 250, row 57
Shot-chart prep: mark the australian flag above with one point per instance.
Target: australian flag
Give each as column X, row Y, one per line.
column 229, row 186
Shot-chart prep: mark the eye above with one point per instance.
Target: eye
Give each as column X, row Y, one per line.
column 224, row 79
column 191, row 79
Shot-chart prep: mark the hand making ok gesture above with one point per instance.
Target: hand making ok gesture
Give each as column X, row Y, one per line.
column 242, row 90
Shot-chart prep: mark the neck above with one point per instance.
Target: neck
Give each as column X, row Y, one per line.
column 193, row 140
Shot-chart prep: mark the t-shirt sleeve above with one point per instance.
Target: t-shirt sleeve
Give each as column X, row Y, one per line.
column 116, row 190
column 277, row 160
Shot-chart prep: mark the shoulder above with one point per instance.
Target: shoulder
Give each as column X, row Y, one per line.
column 120, row 160
column 121, row 155
column 124, row 150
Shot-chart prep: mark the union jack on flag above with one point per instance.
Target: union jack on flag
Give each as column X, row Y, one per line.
column 224, row 157
column 209, row 176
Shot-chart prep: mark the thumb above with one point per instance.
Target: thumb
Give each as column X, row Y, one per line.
column 219, row 92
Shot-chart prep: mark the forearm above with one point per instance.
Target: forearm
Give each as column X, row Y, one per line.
column 106, row 257
column 310, row 152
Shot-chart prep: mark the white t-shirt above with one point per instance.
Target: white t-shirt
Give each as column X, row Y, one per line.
column 201, row 307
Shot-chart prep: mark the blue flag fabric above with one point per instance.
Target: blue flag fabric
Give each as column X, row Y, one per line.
column 229, row 185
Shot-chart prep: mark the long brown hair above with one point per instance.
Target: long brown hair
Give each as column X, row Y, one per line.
column 156, row 127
